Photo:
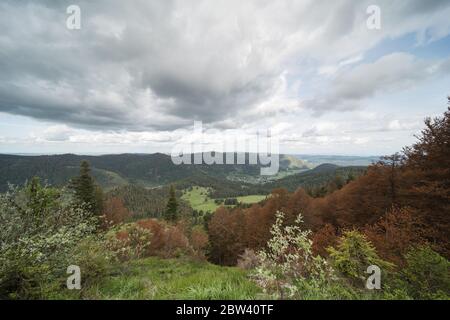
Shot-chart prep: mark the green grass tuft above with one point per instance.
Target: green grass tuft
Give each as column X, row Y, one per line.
column 155, row 278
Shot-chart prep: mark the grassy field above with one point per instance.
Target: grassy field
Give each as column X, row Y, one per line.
column 251, row 199
column 155, row 278
column 199, row 200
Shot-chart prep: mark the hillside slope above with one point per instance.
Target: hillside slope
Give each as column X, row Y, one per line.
column 317, row 176
column 148, row 170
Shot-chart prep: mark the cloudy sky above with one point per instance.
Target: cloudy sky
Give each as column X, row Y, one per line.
column 138, row 73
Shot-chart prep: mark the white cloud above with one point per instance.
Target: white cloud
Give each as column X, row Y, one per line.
column 138, row 74
column 56, row 133
column 330, row 70
column 392, row 72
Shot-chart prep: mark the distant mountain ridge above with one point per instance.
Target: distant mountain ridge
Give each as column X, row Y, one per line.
column 148, row 170
column 343, row 161
column 325, row 167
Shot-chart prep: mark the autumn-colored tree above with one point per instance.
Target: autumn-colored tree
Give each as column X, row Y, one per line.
column 255, row 226
column 298, row 202
column 115, row 212
column 232, row 231
column 396, row 232
column 226, row 234
column 336, row 184
column 403, row 199
column 199, row 241
column 361, row 202
column 168, row 240
column 175, row 242
column 392, row 163
column 322, row 239
column 157, row 229
column 427, row 170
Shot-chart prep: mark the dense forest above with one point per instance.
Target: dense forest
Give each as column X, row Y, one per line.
column 146, row 170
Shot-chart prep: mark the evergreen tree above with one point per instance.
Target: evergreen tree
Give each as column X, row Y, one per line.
column 99, row 203
column 86, row 191
column 40, row 199
column 171, row 213
column 354, row 254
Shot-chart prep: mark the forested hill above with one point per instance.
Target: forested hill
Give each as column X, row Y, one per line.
column 317, row 177
column 148, row 170
column 109, row 170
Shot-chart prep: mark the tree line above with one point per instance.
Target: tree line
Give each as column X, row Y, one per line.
column 401, row 201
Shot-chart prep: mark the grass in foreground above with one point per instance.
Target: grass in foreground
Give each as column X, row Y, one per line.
column 155, row 278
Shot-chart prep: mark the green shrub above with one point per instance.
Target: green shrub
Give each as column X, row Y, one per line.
column 94, row 260
column 353, row 255
column 40, row 228
column 287, row 265
column 130, row 242
column 426, row 275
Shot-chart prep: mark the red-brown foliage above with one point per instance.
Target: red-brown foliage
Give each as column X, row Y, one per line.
column 362, row 201
column 226, row 234
column 157, row 230
column 199, row 242
column 427, row 171
column 232, row 231
column 167, row 240
column 115, row 212
column 418, row 181
column 396, row 232
column 323, row 238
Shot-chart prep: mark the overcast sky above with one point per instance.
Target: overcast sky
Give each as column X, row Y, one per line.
column 138, row 73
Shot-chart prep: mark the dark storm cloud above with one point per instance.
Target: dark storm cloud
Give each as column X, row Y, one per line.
column 146, row 75
column 161, row 64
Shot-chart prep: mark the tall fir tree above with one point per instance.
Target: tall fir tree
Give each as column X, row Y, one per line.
column 171, row 213
column 86, row 191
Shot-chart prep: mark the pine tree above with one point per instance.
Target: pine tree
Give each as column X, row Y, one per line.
column 86, row 191
column 171, row 213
